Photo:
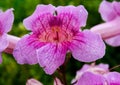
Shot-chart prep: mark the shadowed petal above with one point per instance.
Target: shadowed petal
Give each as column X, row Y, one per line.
column 87, row 46
column 89, row 78
column 25, row 50
column 51, row 56
column 113, row 78
column 114, row 41
column 72, row 17
column 6, row 20
column 3, row 42
column 107, row 11
column 39, row 20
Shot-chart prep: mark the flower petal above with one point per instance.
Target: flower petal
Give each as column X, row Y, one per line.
column 57, row 81
column 107, row 11
column 116, row 6
column 89, row 78
column 6, row 20
column 80, row 72
column 72, row 17
column 25, row 50
column 114, row 41
column 39, row 20
column 3, row 42
column 103, row 66
column 87, row 46
column 33, row 82
column 51, row 56
column 113, row 78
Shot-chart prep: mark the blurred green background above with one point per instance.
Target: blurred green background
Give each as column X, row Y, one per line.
column 12, row 73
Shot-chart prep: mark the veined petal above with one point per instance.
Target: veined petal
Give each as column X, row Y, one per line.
column 107, row 11
column 113, row 78
column 25, row 50
column 3, row 42
column 87, row 46
column 114, row 41
column 6, row 20
column 89, row 78
column 39, row 20
column 72, row 17
column 51, row 56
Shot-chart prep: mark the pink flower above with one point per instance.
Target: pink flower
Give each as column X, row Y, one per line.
column 96, row 75
column 6, row 21
column 110, row 13
column 55, row 31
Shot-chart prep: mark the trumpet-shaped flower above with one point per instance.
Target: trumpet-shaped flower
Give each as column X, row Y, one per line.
column 110, row 12
column 96, row 75
column 6, row 21
column 55, row 31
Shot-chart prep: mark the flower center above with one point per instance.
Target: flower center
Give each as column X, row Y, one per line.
column 55, row 34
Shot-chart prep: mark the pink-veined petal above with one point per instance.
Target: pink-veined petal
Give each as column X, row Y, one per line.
column 3, row 42
column 6, row 20
column 89, row 78
column 39, row 20
column 113, row 78
column 114, row 41
column 72, row 17
column 51, row 56
column 107, row 11
column 25, row 50
column 87, row 46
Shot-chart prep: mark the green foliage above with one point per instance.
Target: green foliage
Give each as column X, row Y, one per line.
column 12, row 73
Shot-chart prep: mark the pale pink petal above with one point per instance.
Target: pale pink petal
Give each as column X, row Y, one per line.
column 33, row 82
column 89, row 78
column 113, row 78
column 87, row 46
column 72, row 17
column 6, row 20
column 3, row 42
column 39, row 20
column 25, row 50
column 116, row 6
column 57, row 81
column 80, row 72
column 51, row 56
column 107, row 11
column 103, row 66
column 114, row 41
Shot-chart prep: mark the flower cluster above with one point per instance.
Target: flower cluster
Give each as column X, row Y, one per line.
column 96, row 75
column 55, row 31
